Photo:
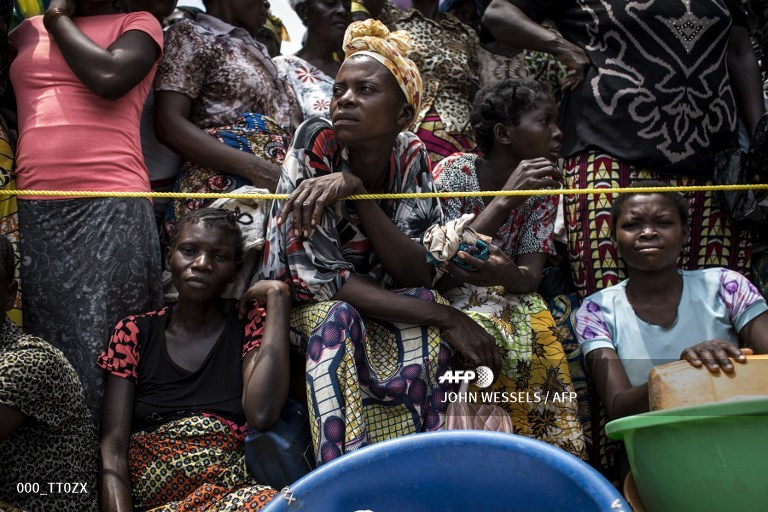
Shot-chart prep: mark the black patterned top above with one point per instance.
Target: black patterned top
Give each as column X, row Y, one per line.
column 657, row 93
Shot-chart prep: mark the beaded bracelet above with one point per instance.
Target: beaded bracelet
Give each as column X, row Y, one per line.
column 51, row 15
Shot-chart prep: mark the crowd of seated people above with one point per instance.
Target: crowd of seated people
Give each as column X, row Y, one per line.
column 146, row 404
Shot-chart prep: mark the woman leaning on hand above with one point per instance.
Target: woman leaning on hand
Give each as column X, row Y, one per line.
column 376, row 337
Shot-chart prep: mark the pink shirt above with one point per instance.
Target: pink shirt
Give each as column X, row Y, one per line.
column 70, row 138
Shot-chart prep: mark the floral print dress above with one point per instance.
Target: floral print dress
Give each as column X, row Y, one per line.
column 534, row 365
column 312, row 87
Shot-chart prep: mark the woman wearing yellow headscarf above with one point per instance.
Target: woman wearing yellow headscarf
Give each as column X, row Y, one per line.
column 376, row 337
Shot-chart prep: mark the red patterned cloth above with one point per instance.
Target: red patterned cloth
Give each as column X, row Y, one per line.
column 594, row 261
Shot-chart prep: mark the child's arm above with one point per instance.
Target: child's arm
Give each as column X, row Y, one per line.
column 116, row 421
column 266, row 370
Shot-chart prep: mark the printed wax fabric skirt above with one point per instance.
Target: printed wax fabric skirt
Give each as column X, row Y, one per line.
column 535, row 379
column 439, row 141
column 369, row 380
column 252, row 133
column 9, row 212
column 594, row 262
column 87, row 264
column 195, row 463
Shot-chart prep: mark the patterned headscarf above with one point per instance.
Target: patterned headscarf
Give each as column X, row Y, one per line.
column 372, row 38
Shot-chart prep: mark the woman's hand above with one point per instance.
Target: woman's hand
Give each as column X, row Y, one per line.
column 573, row 58
column 489, row 272
column 262, row 173
column 714, row 355
column 535, row 174
column 313, row 195
column 264, row 291
column 471, row 340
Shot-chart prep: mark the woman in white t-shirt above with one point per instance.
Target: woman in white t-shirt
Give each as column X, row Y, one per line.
column 660, row 313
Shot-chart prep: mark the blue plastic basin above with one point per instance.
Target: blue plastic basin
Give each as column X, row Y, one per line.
column 454, row 471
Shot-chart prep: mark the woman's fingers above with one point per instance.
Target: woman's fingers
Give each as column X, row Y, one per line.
column 715, row 356
column 298, row 198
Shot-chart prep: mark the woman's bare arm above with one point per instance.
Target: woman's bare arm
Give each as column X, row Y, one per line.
column 175, row 130
column 116, row 422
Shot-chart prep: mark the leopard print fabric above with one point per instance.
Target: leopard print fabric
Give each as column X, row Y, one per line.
column 57, row 442
column 446, row 54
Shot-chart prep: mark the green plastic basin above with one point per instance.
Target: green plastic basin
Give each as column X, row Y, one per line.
column 708, row 457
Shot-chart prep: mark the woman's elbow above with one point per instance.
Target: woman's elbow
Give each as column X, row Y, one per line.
column 262, row 419
column 493, row 18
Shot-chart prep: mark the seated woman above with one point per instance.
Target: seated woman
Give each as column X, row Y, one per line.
column 220, row 105
column 183, row 381
column 373, row 354
column 660, row 313
column 311, row 71
column 46, row 433
column 515, row 125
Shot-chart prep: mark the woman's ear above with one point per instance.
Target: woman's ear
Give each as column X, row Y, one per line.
column 686, row 234
column 501, row 134
column 406, row 116
column 168, row 253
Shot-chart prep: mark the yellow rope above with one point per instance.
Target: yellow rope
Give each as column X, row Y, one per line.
column 197, row 195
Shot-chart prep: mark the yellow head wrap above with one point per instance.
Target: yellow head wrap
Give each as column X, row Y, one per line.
column 372, row 38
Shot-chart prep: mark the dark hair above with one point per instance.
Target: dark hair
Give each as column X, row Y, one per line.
column 7, row 260
column 219, row 218
column 677, row 200
column 502, row 102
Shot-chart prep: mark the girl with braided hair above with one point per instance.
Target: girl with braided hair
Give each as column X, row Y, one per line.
column 515, row 125
column 183, row 381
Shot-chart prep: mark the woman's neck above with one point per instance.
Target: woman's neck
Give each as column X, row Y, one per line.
column 319, row 52
column 196, row 317
column 430, row 9
column 494, row 170
column 371, row 165
column 95, row 8
column 652, row 287
column 217, row 10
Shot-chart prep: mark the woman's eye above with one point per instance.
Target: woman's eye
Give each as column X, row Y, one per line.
column 221, row 258
column 187, row 251
column 337, row 91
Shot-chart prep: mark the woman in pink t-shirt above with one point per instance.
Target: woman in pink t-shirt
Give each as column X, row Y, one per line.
column 81, row 74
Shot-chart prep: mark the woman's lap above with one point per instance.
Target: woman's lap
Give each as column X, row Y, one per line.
column 368, row 380
column 195, row 462
column 88, row 263
column 534, row 365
